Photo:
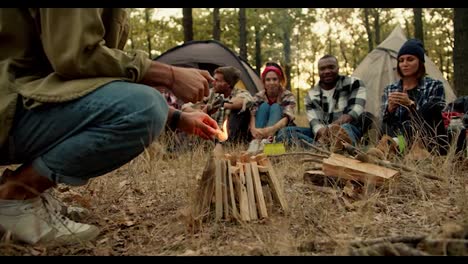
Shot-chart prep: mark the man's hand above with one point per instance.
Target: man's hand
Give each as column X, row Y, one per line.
column 321, row 133
column 190, row 85
column 187, row 84
column 198, row 123
column 345, row 118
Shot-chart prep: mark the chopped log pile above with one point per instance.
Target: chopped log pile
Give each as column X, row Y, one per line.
column 361, row 168
column 238, row 187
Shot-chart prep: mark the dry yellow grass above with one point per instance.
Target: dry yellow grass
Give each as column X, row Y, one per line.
column 139, row 208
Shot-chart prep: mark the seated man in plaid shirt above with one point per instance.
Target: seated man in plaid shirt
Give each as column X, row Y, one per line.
column 227, row 102
column 335, row 109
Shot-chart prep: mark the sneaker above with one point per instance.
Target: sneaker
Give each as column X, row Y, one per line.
column 255, row 146
column 33, row 222
column 73, row 212
column 388, row 147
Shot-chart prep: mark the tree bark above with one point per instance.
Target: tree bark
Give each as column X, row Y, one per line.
column 377, row 26
column 418, row 24
column 242, row 34
column 460, row 51
column 258, row 50
column 187, row 22
column 370, row 39
column 216, row 24
column 147, row 26
column 287, row 57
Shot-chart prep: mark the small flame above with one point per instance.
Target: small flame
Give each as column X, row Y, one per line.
column 222, row 135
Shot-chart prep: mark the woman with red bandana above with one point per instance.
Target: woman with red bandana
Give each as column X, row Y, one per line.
column 274, row 107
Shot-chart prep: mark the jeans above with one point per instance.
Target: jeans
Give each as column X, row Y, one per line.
column 74, row 141
column 268, row 115
column 293, row 135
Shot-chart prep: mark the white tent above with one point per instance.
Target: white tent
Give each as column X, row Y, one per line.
column 378, row 69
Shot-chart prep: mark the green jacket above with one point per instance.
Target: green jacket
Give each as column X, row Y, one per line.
column 56, row 55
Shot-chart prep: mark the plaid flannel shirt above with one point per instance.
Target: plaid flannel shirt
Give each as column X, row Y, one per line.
column 349, row 98
column 428, row 90
column 286, row 100
column 219, row 116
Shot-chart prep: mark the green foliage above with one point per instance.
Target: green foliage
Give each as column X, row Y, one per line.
column 301, row 35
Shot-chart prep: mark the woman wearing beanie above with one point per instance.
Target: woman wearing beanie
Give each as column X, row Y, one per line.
column 274, row 107
column 412, row 106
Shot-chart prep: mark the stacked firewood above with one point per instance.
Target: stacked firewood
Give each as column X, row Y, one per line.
column 238, row 187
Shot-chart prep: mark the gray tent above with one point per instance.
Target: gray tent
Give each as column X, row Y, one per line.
column 209, row 55
column 378, row 69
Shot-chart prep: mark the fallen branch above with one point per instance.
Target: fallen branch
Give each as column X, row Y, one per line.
column 398, row 249
column 397, row 239
column 316, row 148
column 311, row 160
column 301, row 154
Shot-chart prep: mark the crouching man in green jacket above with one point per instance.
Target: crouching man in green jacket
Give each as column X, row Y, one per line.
column 74, row 106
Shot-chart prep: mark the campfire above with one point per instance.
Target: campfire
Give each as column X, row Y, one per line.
column 237, row 186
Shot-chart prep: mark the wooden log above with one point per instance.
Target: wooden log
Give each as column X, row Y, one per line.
column 235, row 213
column 268, row 197
column 262, row 168
column 224, row 164
column 351, row 169
column 206, row 188
column 261, row 205
column 245, row 157
column 243, row 199
column 218, row 190
column 258, row 157
column 232, row 158
column 275, row 186
column 250, row 192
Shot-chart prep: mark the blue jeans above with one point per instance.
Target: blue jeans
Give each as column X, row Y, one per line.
column 74, row 141
column 293, row 135
column 268, row 115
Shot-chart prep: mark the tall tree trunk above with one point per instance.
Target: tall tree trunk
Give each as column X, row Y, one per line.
column 329, row 41
column 460, row 52
column 370, row 39
column 147, row 29
column 258, row 50
column 343, row 53
column 242, row 34
column 407, row 27
column 418, row 24
column 377, row 27
column 187, row 22
column 216, row 24
column 287, row 57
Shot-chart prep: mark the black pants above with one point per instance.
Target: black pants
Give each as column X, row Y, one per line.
column 238, row 127
column 426, row 122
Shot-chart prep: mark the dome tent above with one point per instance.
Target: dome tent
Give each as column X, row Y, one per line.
column 209, row 55
column 378, row 69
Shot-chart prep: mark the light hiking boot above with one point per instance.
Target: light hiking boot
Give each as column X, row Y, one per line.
column 386, row 149
column 338, row 135
column 32, row 221
column 256, row 146
column 75, row 213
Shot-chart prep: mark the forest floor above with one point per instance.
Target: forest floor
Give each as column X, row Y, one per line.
column 141, row 208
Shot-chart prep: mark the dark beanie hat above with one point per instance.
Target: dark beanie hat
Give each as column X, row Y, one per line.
column 412, row 47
